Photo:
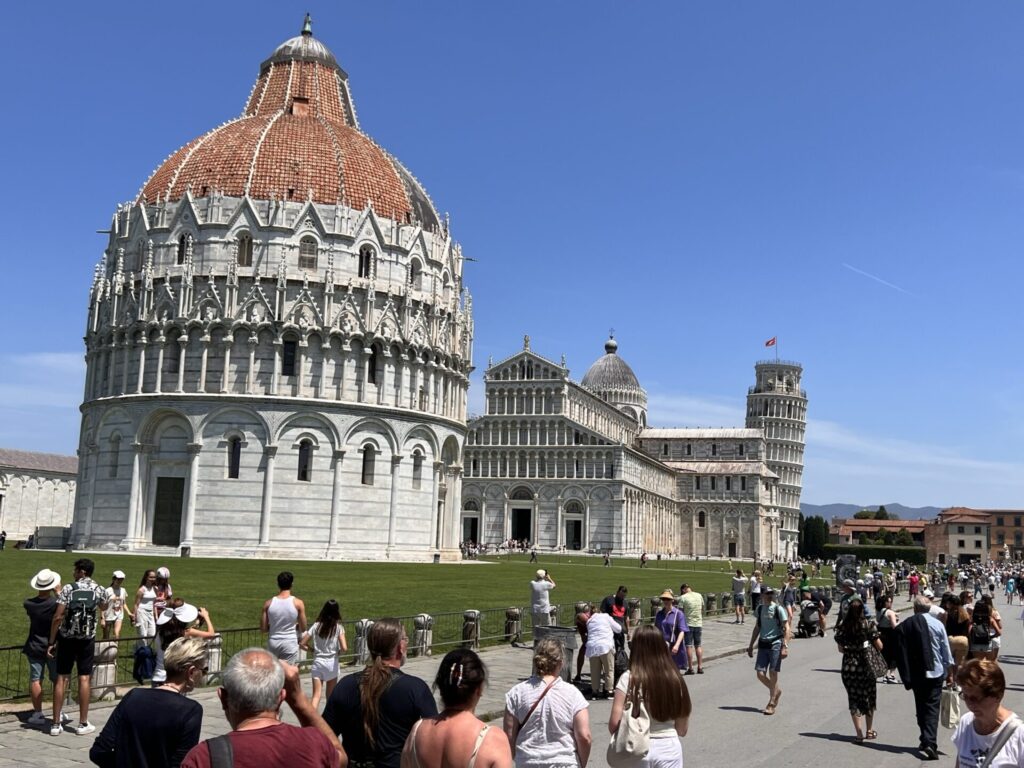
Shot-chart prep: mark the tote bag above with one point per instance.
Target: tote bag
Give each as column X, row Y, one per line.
column 632, row 740
column 949, row 708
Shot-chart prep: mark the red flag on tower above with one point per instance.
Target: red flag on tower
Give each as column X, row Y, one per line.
column 771, row 341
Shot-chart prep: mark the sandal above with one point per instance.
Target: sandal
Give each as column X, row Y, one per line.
column 770, row 709
column 871, row 735
column 858, row 739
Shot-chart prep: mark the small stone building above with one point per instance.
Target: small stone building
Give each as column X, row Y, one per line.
column 37, row 490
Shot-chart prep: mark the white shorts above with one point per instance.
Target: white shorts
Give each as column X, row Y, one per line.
column 665, row 752
column 286, row 651
column 325, row 669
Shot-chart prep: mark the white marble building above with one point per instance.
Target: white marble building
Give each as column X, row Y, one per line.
column 562, row 464
column 37, row 490
column 278, row 343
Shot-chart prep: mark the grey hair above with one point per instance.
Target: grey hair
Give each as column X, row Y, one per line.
column 922, row 604
column 253, row 681
column 183, row 653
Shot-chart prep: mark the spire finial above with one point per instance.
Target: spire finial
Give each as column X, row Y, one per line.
column 307, row 26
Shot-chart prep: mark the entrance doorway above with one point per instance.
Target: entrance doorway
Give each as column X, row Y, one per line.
column 574, row 534
column 732, row 549
column 170, row 492
column 471, row 529
column 522, row 524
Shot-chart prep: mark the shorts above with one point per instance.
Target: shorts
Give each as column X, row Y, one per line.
column 693, row 637
column 287, row 652
column 769, row 659
column 75, row 652
column 325, row 669
column 35, row 669
column 737, row 599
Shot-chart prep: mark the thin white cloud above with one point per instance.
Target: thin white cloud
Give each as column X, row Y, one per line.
column 877, row 279
column 666, row 410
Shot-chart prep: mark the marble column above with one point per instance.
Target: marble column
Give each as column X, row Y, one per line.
column 336, row 499
column 396, row 464
column 269, row 452
column 435, row 517
column 189, row 523
column 132, row 533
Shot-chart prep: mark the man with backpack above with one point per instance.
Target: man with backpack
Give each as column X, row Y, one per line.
column 73, row 641
column 771, row 633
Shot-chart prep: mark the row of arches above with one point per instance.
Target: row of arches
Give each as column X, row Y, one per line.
column 528, row 432
column 591, row 465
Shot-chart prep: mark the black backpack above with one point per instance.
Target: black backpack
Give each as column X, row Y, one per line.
column 980, row 633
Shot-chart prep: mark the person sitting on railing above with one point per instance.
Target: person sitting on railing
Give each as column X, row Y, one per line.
column 374, row 710
column 457, row 737
column 156, row 727
column 255, row 685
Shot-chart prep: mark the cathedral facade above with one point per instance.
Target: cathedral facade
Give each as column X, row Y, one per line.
column 573, row 465
column 278, row 343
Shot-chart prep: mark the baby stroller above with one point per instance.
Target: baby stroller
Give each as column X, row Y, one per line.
column 807, row 624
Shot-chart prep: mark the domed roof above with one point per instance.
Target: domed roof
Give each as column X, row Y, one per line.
column 297, row 139
column 610, row 372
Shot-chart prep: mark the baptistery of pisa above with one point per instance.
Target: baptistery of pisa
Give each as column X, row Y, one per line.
column 278, row 343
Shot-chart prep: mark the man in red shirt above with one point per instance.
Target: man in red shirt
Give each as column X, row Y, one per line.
column 255, row 685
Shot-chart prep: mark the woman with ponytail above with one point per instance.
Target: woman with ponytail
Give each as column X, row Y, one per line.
column 457, row 738
column 374, row 710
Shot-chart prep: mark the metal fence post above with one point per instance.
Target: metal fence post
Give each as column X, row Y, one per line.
column 362, row 651
column 471, row 629
column 423, row 638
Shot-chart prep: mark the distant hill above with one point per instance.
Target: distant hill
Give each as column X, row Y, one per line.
column 830, row 511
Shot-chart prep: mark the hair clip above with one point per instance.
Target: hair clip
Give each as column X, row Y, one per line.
column 455, row 675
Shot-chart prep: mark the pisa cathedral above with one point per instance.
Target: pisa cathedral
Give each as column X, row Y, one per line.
column 278, row 347
column 575, row 465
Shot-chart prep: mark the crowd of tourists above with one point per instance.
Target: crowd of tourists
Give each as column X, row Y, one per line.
column 945, row 652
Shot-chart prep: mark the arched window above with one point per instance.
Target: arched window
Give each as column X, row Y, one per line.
column 371, row 366
column 701, row 519
column 245, row 250
column 369, row 461
column 417, row 469
column 289, row 350
column 183, row 247
column 115, row 454
column 234, row 457
column 366, row 261
column 305, row 461
column 307, row 253
column 416, row 276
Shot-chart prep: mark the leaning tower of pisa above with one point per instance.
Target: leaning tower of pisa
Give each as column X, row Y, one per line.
column 777, row 405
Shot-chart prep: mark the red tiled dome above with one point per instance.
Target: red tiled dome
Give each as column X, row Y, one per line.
column 297, row 138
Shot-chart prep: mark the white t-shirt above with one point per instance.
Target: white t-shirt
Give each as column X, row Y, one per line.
column 755, row 585
column 539, row 589
column 325, row 647
column 545, row 739
column 660, row 729
column 972, row 748
column 116, row 598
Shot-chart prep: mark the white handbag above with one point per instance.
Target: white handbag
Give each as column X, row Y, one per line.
column 632, row 739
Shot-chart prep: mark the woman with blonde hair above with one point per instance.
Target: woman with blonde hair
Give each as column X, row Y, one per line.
column 652, row 679
column 373, row 711
column 546, row 719
column 457, row 737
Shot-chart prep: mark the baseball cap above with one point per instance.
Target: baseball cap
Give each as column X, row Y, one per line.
column 118, row 574
column 848, row 583
column 163, row 573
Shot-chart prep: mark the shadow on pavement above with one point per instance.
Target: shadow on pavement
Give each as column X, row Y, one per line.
column 872, row 744
column 744, row 709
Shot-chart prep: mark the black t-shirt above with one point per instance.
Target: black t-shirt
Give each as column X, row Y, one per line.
column 406, row 700
column 40, row 612
column 154, row 727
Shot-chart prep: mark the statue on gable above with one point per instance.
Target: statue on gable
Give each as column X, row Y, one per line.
column 210, row 313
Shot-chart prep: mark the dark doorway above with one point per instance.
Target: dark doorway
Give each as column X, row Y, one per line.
column 574, row 534
column 471, row 529
column 732, row 549
column 170, row 491
column 522, row 528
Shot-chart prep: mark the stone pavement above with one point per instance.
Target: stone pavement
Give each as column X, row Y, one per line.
column 24, row 745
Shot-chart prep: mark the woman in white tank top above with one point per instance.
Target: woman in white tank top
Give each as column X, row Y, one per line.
column 142, row 614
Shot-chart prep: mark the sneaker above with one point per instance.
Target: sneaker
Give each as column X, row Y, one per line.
column 56, row 729
column 84, row 728
column 65, row 718
column 37, row 718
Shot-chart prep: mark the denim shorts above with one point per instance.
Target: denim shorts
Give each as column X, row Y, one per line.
column 35, row 669
column 769, row 659
column 693, row 637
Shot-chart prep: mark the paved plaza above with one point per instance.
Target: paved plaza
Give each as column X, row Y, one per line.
column 812, row 726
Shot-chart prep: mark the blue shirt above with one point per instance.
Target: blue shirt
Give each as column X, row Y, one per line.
column 942, row 656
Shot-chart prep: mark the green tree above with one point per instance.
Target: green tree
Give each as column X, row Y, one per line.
column 863, row 539
column 864, row 514
column 885, row 536
column 814, row 537
column 881, row 514
column 903, row 538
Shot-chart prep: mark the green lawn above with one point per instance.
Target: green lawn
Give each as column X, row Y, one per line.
column 234, row 590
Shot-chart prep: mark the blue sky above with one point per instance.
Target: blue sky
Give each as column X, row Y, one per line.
column 701, row 177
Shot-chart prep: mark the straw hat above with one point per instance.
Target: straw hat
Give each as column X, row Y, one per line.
column 667, row 595
column 44, row 580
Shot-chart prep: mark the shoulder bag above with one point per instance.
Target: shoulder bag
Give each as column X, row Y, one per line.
column 1000, row 743
column 949, row 708
column 632, row 739
column 534, row 706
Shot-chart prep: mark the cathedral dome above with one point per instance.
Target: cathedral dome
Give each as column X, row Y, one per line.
column 298, row 138
column 610, row 372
